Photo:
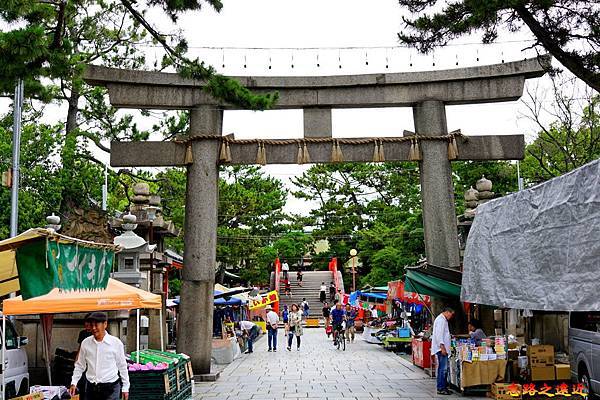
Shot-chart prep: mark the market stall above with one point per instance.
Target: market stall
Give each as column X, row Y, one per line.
column 59, row 274
column 473, row 366
column 116, row 296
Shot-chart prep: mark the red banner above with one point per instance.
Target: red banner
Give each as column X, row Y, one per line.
column 277, row 278
column 396, row 292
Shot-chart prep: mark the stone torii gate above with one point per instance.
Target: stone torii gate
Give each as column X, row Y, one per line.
column 426, row 92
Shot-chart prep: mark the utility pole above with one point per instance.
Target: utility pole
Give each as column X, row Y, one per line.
column 105, row 188
column 519, row 179
column 17, row 112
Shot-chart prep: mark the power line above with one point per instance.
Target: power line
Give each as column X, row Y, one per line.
column 327, row 48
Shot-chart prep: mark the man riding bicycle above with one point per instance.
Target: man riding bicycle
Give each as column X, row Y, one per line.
column 338, row 316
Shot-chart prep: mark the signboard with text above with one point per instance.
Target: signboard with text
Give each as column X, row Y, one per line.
column 269, row 298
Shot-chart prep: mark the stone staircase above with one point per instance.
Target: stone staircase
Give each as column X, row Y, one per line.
column 311, row 285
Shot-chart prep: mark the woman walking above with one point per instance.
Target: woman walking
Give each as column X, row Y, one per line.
column 295, row 324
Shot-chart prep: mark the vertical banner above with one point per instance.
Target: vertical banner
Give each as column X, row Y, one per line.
column 277, row 278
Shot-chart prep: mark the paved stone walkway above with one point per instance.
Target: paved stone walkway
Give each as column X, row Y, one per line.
column 320, row 371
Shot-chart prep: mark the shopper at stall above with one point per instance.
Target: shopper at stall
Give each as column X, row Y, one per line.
column 475, row 331
column 323, row 293
column 440, row 347
column 374, row 313
column 272, row 325
column 250, row 331
column 350, row 319
column 102, row 358
column 86, row 331
column 295, row 327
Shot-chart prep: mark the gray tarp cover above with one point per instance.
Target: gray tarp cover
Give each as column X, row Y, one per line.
column 539, row 248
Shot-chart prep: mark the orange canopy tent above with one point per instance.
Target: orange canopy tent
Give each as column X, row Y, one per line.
column 116, row 296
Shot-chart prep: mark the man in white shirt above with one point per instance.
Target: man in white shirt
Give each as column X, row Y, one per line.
column 251, row 331
column 272, row 325
column 286, row 270
column 440, row 347
column 103, row 356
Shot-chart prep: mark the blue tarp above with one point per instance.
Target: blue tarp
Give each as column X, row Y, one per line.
column 232, row 301
column 368, row 295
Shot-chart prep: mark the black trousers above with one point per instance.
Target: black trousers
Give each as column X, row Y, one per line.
column 102, row 391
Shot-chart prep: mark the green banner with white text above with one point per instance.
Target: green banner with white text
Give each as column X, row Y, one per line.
column 45, row 265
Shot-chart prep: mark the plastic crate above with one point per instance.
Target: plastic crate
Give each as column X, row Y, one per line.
column 153, row 385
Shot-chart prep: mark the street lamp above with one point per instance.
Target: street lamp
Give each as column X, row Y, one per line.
column 353, row 254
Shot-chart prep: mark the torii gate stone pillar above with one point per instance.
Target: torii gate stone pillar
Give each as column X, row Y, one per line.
column 201, row 205
column 426, row 92
column 435, row 171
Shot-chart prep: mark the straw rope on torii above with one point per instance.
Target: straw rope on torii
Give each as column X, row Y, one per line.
column 303, row 154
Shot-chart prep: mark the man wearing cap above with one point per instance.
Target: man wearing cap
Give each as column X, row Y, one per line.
column 103, row 356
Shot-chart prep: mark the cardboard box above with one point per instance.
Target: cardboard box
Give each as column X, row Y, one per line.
column 505, row 391
column 540, row 350
column 33, row 396
column 563, row 372
column 542, row 373
column 541, row 355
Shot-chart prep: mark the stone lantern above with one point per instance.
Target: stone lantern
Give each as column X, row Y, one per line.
column 129, row 257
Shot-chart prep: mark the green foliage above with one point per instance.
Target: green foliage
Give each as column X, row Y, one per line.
column 374, row 208
column 568, row 143
column 250, row 218
column 174, row 287
column 567, row 29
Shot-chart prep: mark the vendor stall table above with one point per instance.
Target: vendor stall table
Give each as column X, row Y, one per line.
column 369, row 335
column 392, row 343
column 468, row 375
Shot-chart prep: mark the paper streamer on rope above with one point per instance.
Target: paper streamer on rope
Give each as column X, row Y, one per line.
column 189, row 157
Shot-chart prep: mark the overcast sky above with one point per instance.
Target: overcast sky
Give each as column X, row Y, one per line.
column 328, row 25
column 276, row 27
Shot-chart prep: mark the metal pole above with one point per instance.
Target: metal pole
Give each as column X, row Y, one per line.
column 3, row 355
column 137, row 335
column 105, row 188
column 354, row 274
column 519, row 179
column 17, row 112
column 162, row 338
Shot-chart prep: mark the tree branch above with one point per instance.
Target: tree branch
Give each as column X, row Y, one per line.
column 569, row 60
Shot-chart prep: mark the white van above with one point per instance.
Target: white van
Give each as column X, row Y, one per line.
column 584, row 343
column 17, row 368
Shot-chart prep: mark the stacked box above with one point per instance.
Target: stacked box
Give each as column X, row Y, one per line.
column 542, row 374
column 563, row 372
column 541, row 355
